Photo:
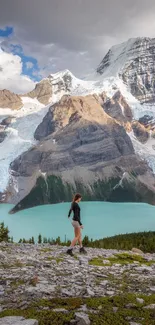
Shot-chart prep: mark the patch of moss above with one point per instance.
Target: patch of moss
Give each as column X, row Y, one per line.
column 17, row 264
column 46, row 250
column 66, row 303
column 16, row 283
column 123, row 259
column 44, row 317
column 98, row 261
column 106, row 315
column 127, row 258
column 57, row 259
column 103, row 308
column 9, row 266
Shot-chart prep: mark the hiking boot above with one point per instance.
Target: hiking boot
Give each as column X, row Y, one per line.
column 83, row 251
column 70, row 252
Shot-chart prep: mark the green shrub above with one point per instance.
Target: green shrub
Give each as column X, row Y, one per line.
column 4, row 233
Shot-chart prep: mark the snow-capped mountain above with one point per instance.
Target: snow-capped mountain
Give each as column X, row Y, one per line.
column 18, row 136
column 123, row 88
column 56, row 85
column 134, row 62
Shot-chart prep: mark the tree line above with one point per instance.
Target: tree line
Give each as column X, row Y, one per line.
column 143, row 240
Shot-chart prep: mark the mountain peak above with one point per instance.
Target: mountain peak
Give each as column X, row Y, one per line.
column 121, row 54
column 133, row 62
column 10, row 100
column 60, row 74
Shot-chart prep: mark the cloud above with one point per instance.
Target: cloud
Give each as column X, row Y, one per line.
column 56, row 32
column 11, row 74
column 29, row 65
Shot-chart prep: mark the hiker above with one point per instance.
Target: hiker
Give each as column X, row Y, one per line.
column 76, row 223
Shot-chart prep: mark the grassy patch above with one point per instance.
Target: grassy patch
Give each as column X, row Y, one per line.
column 66, row 303
column 123, row 259
column 98, row 261
column 127, row 308
column 9, row 266
column 16, row 283
column 46, row 250
column 106, row 315
column 45, row 317
column 57, row 259
column 126, row 258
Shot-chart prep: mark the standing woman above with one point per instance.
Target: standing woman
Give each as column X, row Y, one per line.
column 76, row 223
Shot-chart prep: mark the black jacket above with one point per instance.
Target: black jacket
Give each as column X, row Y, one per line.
column 76, row 210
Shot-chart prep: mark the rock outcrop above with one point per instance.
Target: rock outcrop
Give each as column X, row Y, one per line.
column 56, row 85
column 17, row 320
column 2, row 133
column 81, row 148
column 10, row 100
column 42, row 91
column 3, row 127
column 7, row 121
column 133, row 61
column 140, row 132
column 118, row 108
column 62, row 82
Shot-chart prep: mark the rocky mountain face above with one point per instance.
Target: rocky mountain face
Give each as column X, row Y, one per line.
column 56, row 85
column 118, row 108
column 81, row 148
column 42, row 91
column 61, row 81
column 10, row 100
column 94, row 137
column 4, row 124
column 133, row 61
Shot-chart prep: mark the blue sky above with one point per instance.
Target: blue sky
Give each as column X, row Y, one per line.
column 7, row 31
column 30, row 64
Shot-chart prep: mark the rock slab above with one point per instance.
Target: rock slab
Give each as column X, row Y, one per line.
column 17, row 320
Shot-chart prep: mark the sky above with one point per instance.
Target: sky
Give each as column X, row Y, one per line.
column 42, row 37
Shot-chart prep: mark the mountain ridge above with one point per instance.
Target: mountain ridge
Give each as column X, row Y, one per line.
column 110, row 94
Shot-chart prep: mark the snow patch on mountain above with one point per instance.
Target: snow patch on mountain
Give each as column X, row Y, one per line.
column 111, row 85
column 146, row 150
column 116, row 58
column 122, row 55
column 19, row 135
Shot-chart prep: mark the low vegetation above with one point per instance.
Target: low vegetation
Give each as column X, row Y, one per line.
column 123, row 259
column 4, row 233
column 145, row 241
column 118, row 310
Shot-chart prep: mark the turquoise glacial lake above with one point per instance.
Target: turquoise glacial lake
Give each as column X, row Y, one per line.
column 100, row 219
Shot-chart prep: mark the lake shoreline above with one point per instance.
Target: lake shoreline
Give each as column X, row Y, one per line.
column 100, row 219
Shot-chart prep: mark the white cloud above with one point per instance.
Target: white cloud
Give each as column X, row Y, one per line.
column 74, row 34
column 11, row 76
column 29, row 65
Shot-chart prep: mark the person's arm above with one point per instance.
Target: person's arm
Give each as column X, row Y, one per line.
column 70, row 211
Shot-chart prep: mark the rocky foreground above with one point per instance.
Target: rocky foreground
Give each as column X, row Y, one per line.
column 40, row 284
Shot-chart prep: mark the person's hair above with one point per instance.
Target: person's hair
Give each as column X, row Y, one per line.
column 76, row 197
